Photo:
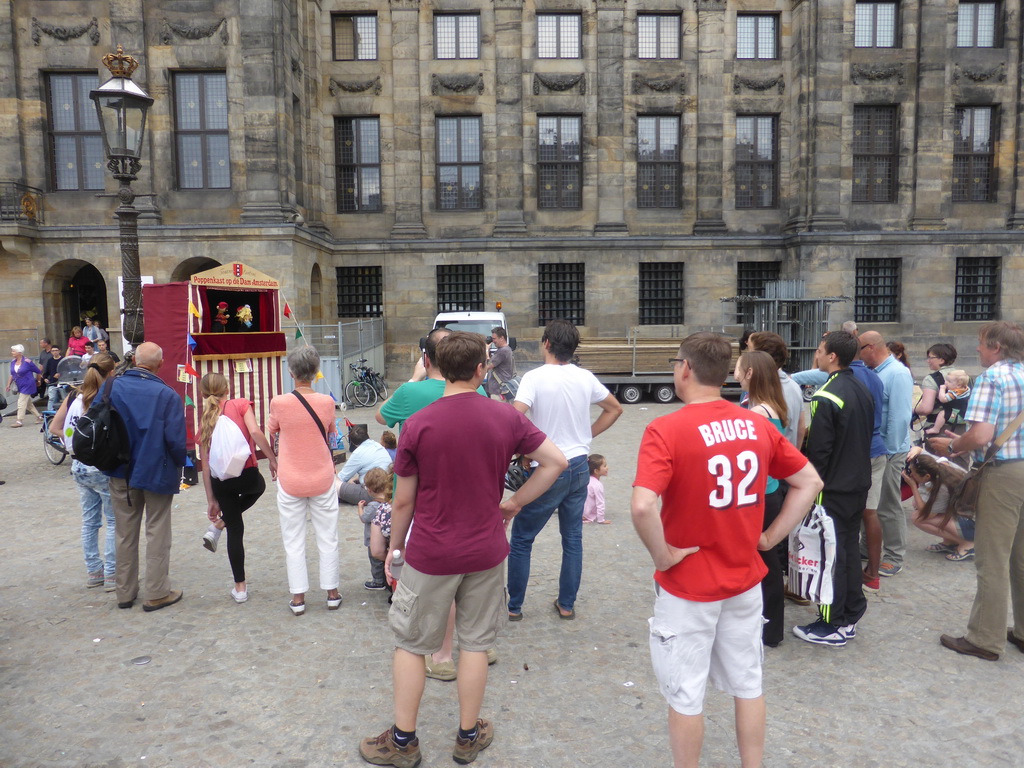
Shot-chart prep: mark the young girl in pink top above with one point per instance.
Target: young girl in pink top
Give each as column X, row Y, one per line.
column 593, row 507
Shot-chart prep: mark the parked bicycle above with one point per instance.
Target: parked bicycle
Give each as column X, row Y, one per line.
column 366, row 385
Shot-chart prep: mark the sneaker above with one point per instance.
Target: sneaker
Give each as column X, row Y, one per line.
column 382, row 750
column 466, row 750
column 109, row 584
column 240, row 597
column 821, row 633
column 440, row 670
column 211, row 537
column 170, row 598
column 849, row 631
column 94, row 580
column 375, row 585
column 871, row 585
column 888, row 569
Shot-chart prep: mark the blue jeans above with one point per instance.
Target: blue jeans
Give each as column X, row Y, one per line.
column 94, row 492
column 567, row 494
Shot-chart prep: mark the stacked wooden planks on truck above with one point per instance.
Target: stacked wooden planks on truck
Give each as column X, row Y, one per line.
column 623, row 356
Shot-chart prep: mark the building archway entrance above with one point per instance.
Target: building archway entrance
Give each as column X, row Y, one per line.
column 192, row 266
column 72, row 290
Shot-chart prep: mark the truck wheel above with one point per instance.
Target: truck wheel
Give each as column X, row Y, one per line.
column 630, row 394
column 665, row 393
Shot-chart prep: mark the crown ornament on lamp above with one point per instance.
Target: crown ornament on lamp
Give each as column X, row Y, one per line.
column 120, row 64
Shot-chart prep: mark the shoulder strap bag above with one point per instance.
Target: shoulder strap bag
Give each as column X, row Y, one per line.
column 316, row 419
column 964, row 499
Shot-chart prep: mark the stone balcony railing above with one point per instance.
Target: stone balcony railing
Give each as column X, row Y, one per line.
column 20, row 203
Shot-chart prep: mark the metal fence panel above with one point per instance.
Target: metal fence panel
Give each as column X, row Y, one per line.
column 339, row 345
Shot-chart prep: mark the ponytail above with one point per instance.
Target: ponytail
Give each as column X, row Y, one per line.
column 100, row 366
column 214, row 389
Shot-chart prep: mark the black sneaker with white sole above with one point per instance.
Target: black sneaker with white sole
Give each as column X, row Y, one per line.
column 821, row 633
column 375, row 585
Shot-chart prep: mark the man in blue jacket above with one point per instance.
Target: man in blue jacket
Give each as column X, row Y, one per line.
column 154, row 417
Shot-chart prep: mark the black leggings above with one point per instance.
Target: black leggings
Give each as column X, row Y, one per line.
column 235, row 496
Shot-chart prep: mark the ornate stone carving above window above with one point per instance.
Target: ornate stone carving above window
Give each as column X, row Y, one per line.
column 354, row 86
column 559, row 82
column 739, row 82
column 187, row 31
column 66, row 33
column 456, row 83
column 675, row 84
column 980, row 75
column 860, row 73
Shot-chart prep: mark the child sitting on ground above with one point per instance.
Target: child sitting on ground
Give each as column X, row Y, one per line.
column 593, row 507
column 390, row 443
column 376, row 518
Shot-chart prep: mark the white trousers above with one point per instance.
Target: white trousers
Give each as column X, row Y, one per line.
column 323, row 511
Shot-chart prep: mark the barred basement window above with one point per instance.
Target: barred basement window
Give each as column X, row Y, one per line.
column 76, row 144
column 460, row 287
column 757, row 36
column 977, row 289
column 877, row 295
column 973, row 156
column 360, row 291
column 875, row 25
column 661, row 292
column 751, row 277
column 355, row 37
column 657, row 155
column 357, row 158
column 874, row 154
column 558, row 35
column 559, row 167
column 560, row 293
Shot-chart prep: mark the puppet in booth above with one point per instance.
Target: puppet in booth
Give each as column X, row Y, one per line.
column 220, row 318
column 244, row 316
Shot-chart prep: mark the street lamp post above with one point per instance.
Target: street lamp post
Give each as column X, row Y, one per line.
column 122, row 106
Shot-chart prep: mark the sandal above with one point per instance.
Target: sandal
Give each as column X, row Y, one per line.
column 333, row 603
column 957, row 556
column 299, row 609
column 941, row 547
column 564, row 616
column 16, row 424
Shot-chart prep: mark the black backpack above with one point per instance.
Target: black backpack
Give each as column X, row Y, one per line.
column 100, row 438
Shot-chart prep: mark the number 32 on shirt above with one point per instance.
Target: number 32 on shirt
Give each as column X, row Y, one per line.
column 733, row 481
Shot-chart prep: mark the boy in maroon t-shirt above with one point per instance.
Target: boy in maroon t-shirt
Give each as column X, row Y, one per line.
column 451, row 465
column 709, row 463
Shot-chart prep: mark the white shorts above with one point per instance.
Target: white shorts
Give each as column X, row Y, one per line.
column 693, row 642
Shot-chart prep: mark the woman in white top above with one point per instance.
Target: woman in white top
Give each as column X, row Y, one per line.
column 93, row 490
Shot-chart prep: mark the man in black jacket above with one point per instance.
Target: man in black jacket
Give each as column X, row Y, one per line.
column 839, row 447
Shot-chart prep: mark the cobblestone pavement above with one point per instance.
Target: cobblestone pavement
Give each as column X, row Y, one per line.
column 234, row 685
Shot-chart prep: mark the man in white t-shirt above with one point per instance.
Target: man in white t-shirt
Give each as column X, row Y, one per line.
column 557, row 396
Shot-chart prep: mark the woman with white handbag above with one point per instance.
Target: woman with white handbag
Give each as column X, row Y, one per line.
column 228, row 436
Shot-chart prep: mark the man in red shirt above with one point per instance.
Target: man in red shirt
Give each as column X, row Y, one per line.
column 451, row 465
column 709, row 463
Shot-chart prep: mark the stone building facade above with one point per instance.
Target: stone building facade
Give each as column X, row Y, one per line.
column 619, row 162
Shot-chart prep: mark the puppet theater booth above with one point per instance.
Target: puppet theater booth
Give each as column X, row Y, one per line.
column 245, row 344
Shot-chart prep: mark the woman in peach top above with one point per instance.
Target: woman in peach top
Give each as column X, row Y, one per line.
column 305, row 479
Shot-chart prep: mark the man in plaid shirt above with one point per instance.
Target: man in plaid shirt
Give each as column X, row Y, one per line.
column 997, row 400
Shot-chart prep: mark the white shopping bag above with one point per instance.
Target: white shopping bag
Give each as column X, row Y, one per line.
column 812, row 557
column 229, row 450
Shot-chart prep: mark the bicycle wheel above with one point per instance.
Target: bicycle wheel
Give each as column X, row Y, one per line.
column 380, row 385
column 52, row 447
column 350, row 393
column 369, row 393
